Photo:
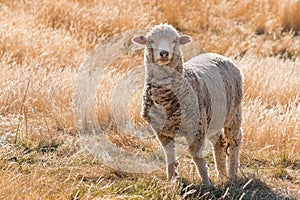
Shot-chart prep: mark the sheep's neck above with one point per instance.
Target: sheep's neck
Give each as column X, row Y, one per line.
column 163, row 73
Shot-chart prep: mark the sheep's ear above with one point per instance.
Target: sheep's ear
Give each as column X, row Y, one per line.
column 184, row 39
column 140, row 40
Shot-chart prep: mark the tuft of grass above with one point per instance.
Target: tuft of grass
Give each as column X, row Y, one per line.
column 289, row 16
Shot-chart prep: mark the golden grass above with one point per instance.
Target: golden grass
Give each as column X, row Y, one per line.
column 289, row 18
column 42, row 44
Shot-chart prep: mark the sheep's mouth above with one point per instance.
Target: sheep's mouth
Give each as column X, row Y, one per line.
column 163, row 61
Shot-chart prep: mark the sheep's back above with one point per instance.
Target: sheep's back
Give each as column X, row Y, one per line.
column 218, row 85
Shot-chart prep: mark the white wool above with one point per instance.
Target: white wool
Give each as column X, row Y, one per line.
column 210, row 74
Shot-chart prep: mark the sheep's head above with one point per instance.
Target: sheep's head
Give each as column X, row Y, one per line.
column 163, row 42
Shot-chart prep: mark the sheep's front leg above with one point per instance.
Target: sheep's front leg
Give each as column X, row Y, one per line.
column 168, row 146
column 196, row 148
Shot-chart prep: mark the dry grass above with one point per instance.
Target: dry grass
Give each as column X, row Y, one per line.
column 42, row 44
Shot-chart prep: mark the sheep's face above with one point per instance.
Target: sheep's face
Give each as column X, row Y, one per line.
column 164, row 42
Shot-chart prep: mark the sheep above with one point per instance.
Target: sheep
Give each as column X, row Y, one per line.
column 199, row 99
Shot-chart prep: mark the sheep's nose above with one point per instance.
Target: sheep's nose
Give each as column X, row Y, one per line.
column 164, row 54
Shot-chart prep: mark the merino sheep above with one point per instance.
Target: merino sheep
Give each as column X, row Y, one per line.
column 199, row 99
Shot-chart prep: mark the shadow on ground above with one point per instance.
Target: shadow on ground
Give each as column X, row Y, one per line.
column 245, row 188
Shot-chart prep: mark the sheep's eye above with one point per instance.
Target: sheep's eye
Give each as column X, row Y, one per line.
column 151, row 41
column 174, row 41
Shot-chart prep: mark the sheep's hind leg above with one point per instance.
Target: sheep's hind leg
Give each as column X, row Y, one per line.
column 168, row 146
column 234, row 135
column 219, row 153
column 196, row 150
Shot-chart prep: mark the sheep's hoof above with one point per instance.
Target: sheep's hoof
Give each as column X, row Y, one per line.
column 232, row 179
column 173, row 177
column 208, row 186
column 207, row 183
